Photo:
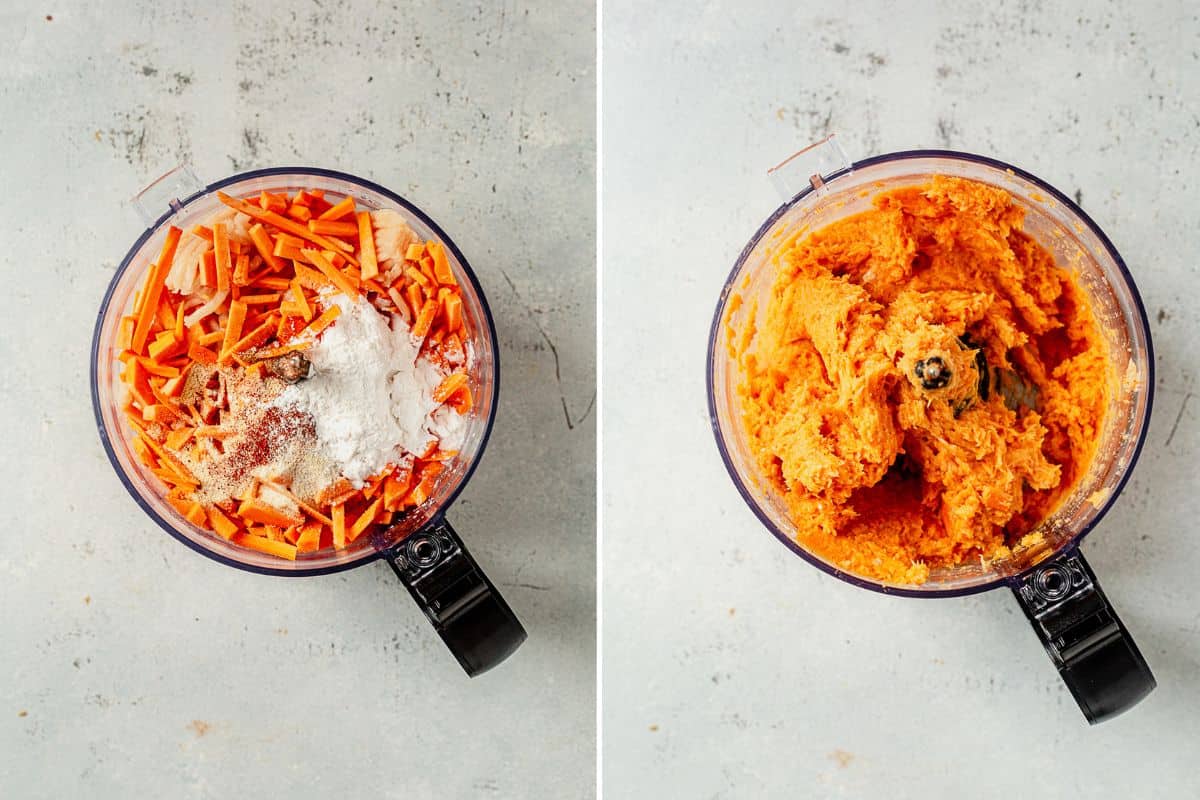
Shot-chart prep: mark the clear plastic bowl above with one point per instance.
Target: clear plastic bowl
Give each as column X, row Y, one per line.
column 1056, row 588
column 108, row 392
column 1057, row 224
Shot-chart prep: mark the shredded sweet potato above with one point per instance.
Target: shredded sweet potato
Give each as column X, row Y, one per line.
column 257, row 294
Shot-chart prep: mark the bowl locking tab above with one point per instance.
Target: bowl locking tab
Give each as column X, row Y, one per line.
column 809, row 168
column 168, row 191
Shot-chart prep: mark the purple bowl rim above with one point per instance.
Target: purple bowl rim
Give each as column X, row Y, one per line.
column 268, row 172
column 904, row 155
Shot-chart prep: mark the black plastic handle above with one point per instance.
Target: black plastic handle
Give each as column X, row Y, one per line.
column 463, row 605
column 1094, row 653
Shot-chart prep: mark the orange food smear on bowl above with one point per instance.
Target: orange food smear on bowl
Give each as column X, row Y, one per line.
column 887, row 474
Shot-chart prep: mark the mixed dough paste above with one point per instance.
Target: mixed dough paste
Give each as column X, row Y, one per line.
column 862, row 394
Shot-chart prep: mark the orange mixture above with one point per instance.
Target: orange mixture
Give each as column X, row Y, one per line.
column 217, row 330
column 890, row 467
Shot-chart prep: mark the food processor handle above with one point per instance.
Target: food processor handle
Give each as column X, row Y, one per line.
column 464, row 606
column 1093, row 651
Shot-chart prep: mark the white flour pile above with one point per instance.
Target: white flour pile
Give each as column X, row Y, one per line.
column 369, row 394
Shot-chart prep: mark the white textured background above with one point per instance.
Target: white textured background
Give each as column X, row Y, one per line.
column 732, row 668
column 132, row 667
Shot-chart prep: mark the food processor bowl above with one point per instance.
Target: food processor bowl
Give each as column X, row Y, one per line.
column 1050, row 576
column 419, row 546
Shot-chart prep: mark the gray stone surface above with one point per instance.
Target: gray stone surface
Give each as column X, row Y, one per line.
column 732, row 668
column 133, row 667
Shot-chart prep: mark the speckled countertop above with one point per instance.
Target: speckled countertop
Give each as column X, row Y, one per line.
column 135, row 668
column 732, row 669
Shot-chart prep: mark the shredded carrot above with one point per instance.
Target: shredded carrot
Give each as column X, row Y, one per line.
column 264, row 298
column 339, row 279
column 339, row 263
column 152, row 291
column 223, row 525
column 339, row 525
column 233, row 329
column 306, row 309
column 364, row 520
column 366, row 244
column 283, row 223
column 441, row 266
column 337, row 492
column 195, row 515
column 309, row 539
column 275, row 352
column 450, row 385
column 308, row 509
column 125, row 332
column 416, row 299
column 453, row 311
column 339, row 210
column 270, row 201
column 258, row 511
column 333, row 228
column 401, row 306
column 425, row 319
column 414, row 274
column 309, row 277
column 164, row 315
column 209, row 272
column 322, row 322
column 164, row 456
column 164, row 346
column 221, row 256
column 177, row 481
column 427, row 268
column 241, row 270
column 417, row 496
column 274, row 284
column 138, row 381
column 462, row 402
column 159, row 370
column 201, row 354
column 395, row 489
column 174, row 386
column 260, row 299
column 178, row 438
column 255, row 337
column 265, row 545
column 371, row 486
